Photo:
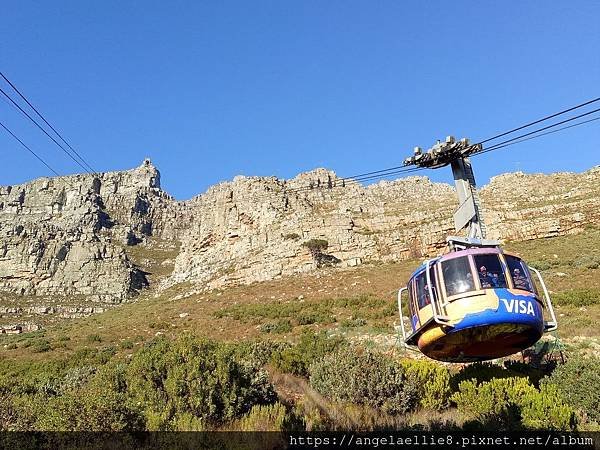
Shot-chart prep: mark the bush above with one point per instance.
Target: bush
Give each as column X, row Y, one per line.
column 316, row 245
column 433, row 381
column 87, row 410
column 513, row 403
column 481, row 372
column 282, row 326
column 578, row 381
column 208, row 380
column 308, row 318
column 353, row 322
column 127, row 344
column 265, row 418
column 291, row 236
column 259, row 353
column 11, row 346
column 41, row 346
column 546, row 409
column 92, row 338
column 365, row 378
column 577, row 297
column 587, row 262
column 542, row 265
column 74, row 378
column 311, row 347
column 160, row 325
column 187, row 384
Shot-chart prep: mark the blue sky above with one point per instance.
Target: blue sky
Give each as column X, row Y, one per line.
column 210, row 90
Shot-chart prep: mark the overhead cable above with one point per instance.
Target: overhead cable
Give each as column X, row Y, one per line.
column 44, row 131
column 45, row 121
column 29, row 149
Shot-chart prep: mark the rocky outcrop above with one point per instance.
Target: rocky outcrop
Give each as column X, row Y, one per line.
column 73, row 236
column 253, row 229
column 67, row 236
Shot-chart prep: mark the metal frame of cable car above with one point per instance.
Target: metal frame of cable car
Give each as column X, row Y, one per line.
column 446, row 320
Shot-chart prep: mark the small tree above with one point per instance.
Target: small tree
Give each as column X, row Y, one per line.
column 316, row 248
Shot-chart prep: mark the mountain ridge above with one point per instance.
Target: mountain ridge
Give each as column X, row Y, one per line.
column 70, row 242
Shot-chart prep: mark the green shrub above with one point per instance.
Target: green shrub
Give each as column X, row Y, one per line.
column 9, row 417
column 316, row 245
column 127, row 344
column 265, row 418
column 311, row 347
column 187, row 422
column 546, row 409
column 481, row 372
column 308, row 318
column 543, row 264
column 41, row 346
column 367, row 378
column 513, row 403
column 187, row 384
column 206, row 379
column 87, row 410
column 587, row 262
column 74, row 378
column 92, row 338
column 160, row 325
column 577, row 297
column 353, row 322
column 578, row 381
column 433, row 381
column 282, row 326
column 11, row 346
column 259, row 353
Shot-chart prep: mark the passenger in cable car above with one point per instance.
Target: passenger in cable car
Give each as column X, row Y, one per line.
column 486, row 279
column 520, row 281
column 425, row 296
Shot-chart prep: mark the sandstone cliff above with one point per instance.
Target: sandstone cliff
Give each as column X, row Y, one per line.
column 74, row 237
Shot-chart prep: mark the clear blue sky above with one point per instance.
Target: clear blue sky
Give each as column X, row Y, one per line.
column 210, row 90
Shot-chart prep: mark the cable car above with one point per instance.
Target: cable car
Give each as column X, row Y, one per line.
column 475, row 304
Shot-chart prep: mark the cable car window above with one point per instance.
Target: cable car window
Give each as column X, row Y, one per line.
column 433, row 279
column 490, row 271
column 411, row 297
column 457, row 276
column 422, row 290
column 519, row 273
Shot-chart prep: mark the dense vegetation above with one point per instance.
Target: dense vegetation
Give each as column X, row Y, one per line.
column 193, row 383
column 126, row 370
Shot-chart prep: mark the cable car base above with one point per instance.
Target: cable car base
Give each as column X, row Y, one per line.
column 477, row 343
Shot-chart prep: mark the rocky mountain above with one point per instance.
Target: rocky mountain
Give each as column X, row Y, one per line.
column 70, row 243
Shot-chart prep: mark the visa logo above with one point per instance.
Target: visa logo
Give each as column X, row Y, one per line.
column 518, row 306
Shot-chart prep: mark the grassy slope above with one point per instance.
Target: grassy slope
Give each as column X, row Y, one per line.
column 359, row 303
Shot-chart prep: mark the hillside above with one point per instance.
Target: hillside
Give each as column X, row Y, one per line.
column 63, row 377
column 78, row 245
column 192, row 349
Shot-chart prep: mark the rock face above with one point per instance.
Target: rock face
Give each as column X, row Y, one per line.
column 74, row 236
column 66, row 236
column 253, row 229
